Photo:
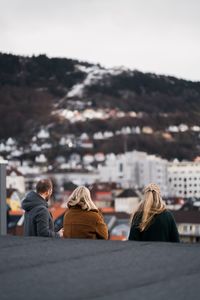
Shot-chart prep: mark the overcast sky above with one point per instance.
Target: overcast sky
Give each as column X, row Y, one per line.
column 161, row 36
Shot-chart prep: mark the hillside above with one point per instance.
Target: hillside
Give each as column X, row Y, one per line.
column 153, row 113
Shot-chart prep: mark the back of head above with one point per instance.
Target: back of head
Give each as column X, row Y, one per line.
column 32, row 199
column 151, row 205
column 81, row 197
column 43, row 186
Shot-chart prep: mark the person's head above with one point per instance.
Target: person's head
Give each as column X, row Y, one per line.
column 44, row 188
column 151, row 205
column 81, row 197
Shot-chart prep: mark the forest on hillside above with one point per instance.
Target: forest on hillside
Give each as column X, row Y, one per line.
column 31, row 88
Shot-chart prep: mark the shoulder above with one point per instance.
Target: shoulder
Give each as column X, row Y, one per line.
column 78, row 211
column 166, row 215
column 41, row 210
column 95, row 215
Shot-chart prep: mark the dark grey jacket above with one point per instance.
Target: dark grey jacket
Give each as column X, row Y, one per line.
column 37, row 220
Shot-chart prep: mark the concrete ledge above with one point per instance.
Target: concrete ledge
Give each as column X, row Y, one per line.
column 42, row 268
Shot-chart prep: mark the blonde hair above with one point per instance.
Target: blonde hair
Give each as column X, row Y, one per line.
column 81, row 197
column 151, row 205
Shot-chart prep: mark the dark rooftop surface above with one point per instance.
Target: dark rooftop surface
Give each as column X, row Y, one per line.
column 42, row 268
column 127, row 193
column 191, row 217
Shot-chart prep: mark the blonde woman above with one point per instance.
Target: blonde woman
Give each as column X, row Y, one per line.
column 83, row 219
column 152, row 221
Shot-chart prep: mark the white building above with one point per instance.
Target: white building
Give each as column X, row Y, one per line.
column 15, row 180
column 184, row 179
column 41, row 159
column 98, row 136
column 10, row 142
column 78, row 178
column 153, row 169
column 135, row 169
column 126, row 201
column 88, row 159
column 99, row 156
column 2, row 147
column 35, row 148
column 43, row 134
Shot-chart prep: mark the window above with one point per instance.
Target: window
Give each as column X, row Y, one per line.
column 121, row 167
column 185, row 228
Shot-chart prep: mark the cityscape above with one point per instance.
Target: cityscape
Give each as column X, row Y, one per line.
column 113, row 130
column 99, row 150
column 116, row 182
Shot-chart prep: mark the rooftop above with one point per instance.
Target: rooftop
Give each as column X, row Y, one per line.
column 182, row 216
column 128, row 193
column 42, row 268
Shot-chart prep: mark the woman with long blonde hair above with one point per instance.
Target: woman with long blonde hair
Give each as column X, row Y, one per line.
column 152, row 221
column 83, row 219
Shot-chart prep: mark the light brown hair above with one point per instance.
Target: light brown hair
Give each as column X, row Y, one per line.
column 81, row 197
column 151, row 205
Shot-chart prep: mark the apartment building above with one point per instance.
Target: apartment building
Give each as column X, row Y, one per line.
column 184, row 179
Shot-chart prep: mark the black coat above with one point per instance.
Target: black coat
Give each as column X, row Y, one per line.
column 37, row 220
column 162, row 228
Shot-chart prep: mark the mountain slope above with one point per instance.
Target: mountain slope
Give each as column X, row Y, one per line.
column 38, row 91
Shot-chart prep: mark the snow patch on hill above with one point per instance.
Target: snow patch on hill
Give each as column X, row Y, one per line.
column 94, row 75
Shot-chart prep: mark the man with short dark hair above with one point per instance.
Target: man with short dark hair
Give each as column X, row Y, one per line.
column 37, row 220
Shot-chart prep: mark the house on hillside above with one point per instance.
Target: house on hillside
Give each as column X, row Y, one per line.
column 188, row 223
column 118, row 225
column 87, row 144
column 103, row 199
column 126, row 201
column 43, row 134
column 191, row 204
column 15, row 180
column 103, row 194
column 174, row 203
column 68, row 188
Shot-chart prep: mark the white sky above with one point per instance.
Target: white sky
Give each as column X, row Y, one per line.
column 161, row 36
